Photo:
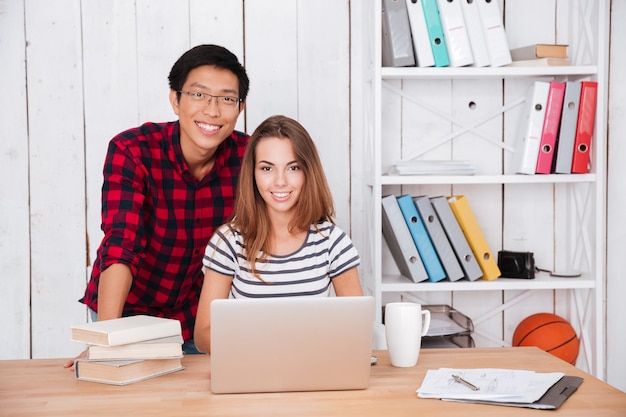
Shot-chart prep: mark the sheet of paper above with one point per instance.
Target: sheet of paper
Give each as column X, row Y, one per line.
column 494, row 384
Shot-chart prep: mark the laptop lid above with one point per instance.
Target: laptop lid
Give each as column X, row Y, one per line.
column 291, row 344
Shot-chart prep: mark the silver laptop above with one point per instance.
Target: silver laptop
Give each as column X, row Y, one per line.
column 291, row 344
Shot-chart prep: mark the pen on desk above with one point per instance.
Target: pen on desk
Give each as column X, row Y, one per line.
column 464, row 382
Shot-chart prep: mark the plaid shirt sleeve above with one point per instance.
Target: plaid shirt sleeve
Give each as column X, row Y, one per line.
column 157, row 218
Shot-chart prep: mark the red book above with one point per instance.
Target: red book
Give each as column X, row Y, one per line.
column 584, row 126
column 550, row 130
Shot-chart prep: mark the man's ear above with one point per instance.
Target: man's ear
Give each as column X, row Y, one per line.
column 174, row 101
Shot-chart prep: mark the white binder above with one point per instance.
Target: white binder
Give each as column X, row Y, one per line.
column 455, row 33
column 493, row 31
column 475, row 34
column 524, row 159
column 419, row 33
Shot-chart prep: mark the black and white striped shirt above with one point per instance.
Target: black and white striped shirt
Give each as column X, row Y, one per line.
column 326, row 253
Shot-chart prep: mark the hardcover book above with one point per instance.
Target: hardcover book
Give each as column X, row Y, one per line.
column 124, row 372
column 125, row 330
column 166, row 347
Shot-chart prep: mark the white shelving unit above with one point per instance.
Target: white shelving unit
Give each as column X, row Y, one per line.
column 472, row 114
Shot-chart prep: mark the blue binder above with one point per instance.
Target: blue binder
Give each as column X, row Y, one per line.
column 435, row 32
column 422, row 241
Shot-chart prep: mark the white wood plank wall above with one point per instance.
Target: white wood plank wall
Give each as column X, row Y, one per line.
column 74, row 73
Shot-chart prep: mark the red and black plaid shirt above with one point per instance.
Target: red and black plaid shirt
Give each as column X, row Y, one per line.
column 157, row 219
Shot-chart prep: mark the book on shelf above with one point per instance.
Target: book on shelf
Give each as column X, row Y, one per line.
column 539, row 50
column 125, row 330
column 540, row 62
column 165, row 347
column 124, row 372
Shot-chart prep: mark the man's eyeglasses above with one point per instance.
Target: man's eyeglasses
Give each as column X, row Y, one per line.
column 223, row 102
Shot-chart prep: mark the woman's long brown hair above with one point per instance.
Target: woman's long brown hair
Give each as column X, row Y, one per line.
column 315, row 204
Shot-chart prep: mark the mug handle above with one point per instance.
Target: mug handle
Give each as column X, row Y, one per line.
column 426, row 322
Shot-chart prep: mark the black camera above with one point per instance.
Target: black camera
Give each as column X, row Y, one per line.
column 516, row 264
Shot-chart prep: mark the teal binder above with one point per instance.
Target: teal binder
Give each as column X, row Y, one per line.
column 421, row 239
column 435, row 32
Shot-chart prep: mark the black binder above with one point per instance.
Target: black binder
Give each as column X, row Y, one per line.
column 551, row 400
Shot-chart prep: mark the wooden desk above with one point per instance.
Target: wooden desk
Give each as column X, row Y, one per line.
column 42, row 387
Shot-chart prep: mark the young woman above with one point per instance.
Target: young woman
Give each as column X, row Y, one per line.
column 282, row 240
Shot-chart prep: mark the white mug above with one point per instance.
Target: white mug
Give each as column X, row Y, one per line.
column 405, row 324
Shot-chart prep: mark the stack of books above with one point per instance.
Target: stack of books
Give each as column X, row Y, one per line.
column 127, row 350
column 436, row 238
column 540, row 54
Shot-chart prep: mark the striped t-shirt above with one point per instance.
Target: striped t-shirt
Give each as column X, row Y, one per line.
column 326, row 253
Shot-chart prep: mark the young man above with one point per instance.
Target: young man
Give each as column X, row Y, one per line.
column 167, row 186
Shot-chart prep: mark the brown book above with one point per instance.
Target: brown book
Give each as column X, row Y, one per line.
column 124, row 372
column 166, row 347
column 539, row 50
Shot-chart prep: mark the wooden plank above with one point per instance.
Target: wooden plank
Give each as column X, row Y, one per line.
column 14, row 222
column 57, row 173
column 529, row 213
column 110, row 99
column 271, row 45
column 221, row 23
column 162, row 37
column 616, row 233
column 324, row 92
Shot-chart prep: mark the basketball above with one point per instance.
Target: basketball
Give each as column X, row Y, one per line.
column 548, row 332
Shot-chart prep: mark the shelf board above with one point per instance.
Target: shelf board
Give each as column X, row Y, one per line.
column 486, row 179
column 398, row 283
column 389, row 73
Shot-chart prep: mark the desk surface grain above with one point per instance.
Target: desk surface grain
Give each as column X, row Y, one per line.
column 42, row 387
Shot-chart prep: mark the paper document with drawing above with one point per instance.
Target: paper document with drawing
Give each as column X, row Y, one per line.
column 500, row 385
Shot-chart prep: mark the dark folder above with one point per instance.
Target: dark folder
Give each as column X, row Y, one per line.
column 551, row 400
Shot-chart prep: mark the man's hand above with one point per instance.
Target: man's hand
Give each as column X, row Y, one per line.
column 70, row 363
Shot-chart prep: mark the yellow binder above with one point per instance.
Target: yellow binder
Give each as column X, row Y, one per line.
column 474, row 235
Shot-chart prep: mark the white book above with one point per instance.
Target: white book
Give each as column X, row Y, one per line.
column 125, row 330
column 165, row 347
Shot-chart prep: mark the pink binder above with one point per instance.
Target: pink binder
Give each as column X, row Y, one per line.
column 550, row 129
